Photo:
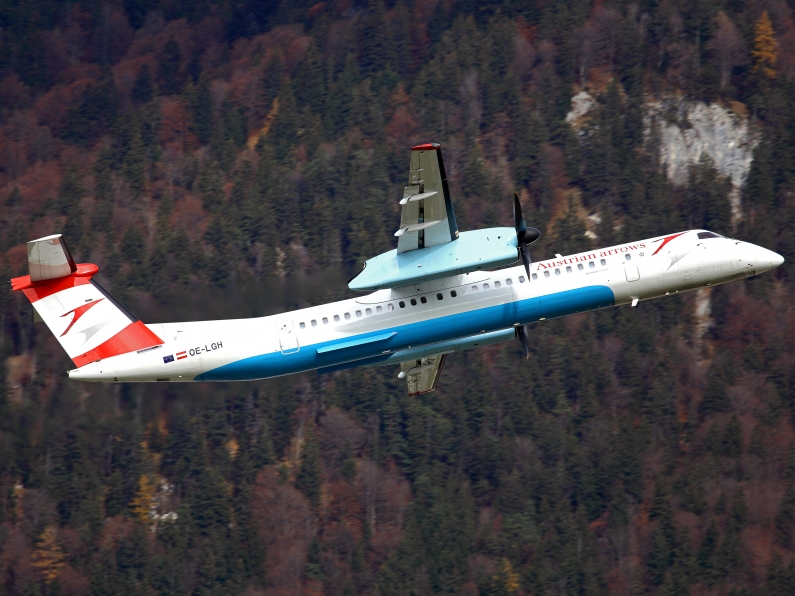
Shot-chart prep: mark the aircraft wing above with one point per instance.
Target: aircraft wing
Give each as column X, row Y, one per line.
column 423, row 374
column 427, row 217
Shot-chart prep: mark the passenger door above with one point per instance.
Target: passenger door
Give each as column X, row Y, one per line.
column 631, row 272
column 288, row 341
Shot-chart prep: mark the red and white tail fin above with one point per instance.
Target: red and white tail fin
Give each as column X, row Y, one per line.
column 86, row 319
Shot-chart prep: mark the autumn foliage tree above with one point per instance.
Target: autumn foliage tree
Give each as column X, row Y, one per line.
column 48, row 557
column 765, row 51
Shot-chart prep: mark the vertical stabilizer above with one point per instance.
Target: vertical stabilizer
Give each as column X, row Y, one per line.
column 87, row 321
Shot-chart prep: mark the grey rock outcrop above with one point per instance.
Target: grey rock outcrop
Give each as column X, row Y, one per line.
column 701, row 129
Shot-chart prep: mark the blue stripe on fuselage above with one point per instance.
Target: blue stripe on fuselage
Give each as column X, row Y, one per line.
column 420, row 333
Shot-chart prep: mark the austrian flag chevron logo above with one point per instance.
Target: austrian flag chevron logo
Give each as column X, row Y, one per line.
column 665, row 241
column 79, row 312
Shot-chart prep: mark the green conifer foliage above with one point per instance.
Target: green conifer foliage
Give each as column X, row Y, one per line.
column 732, row 444
column 307, row 480
column 144, row 88
column 169, row 65
column 199, row 101
column 719, row 377
column 96, row 112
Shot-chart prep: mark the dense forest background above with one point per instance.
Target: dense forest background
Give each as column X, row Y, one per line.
column 239, row 157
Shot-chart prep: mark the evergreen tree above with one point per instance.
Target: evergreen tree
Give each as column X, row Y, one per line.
column 96, row 112
column 719, row 376
column 308, row 479
column 169, row 64
column 144, row 87
column 732, row 444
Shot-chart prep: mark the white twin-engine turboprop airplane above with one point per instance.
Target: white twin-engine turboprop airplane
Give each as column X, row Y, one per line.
column 439, row 292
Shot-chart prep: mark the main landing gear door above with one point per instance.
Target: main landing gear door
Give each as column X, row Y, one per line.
column 288, row 341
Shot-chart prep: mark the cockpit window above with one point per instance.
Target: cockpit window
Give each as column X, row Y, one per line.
column 702, row 235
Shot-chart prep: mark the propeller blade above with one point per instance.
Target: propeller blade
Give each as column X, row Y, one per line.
column 521, row 332
column 518, row 220
column 524, row 235
column 524, row 251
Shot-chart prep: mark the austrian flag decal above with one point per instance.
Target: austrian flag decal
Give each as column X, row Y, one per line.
column 181, row 355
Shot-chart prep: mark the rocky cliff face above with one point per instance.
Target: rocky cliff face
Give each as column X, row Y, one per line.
column 687, row 130
column 683, row 131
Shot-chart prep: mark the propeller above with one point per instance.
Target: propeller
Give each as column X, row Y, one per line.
column 524, row 235
column 521, row 333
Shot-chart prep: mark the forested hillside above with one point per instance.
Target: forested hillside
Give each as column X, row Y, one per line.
column 220, row 159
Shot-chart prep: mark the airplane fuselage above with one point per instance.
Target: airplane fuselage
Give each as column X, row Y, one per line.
column 438, row 316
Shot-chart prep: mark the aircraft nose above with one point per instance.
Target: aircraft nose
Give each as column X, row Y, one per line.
column 767, row 259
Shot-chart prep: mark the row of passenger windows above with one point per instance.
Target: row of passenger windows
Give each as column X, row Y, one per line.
column 402, row 303
column 347, row 315
column 453, row 294
column 581, row 267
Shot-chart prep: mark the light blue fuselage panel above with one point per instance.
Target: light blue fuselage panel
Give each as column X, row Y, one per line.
column 432, row 330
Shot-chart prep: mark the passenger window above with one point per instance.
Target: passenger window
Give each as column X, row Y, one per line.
column 358, row 314
column 336, row 318
column 628, row 257
column 453, row 293
column 347, row 316
column 302, row 325
column 603, row 262
column 402, row 304
column 485, row 286
column 314, row 323
column 535, row 275
column 368, row 311
column 325, row 320
column 439, row 296
column 509, row 282
column 378, row 309
column 474, row 288
column 497, row 284
column 546, row 273
column 423, row 300
column 580, row 267
column 557, row 271
column 591, row 264
column 568, row 269
column 521, row 278
column 413, row 302
column 390, row 306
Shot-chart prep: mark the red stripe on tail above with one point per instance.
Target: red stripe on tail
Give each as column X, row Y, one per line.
column 36, row 290
column 135, row 336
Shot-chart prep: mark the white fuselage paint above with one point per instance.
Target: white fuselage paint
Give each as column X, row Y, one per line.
column 640, row 270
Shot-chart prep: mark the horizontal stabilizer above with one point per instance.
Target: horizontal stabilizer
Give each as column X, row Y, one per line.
column 49, row 258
